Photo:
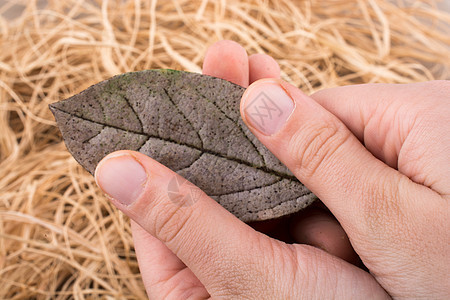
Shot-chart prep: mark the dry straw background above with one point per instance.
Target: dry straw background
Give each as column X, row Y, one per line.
column 59, row 236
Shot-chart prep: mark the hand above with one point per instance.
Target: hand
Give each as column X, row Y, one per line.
column 314, row 225
column 390, row 196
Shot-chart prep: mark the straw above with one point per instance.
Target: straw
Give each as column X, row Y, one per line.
column 59, row 236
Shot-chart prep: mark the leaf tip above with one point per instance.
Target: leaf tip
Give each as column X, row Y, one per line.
column 52, row 108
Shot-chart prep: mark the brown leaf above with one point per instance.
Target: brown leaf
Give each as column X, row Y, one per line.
column 190, row 123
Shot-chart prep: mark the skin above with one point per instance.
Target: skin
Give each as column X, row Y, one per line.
column 377, row 157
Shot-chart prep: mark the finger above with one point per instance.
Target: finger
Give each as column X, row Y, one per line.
column 317, row 227
column 207, row 238
column 227, row 60
column 328, row 159
column 312, row 226
column 262, row 66
column 164, row 275
column 393, row 118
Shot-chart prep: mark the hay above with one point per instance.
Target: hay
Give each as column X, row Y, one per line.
column 59, row 237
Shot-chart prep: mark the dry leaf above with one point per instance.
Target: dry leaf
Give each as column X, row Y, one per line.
column 190, row 123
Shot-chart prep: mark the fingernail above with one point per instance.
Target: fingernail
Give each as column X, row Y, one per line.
column 267, row 107
column 121, row 177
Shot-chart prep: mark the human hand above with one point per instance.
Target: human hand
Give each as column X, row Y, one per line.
column 385, row 205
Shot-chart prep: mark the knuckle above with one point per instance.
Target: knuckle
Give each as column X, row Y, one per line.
column 312, row 146
column 167, row 219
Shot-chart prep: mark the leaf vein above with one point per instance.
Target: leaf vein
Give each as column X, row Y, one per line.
column 248, row 190
column 143, row 144
column 187, row 167
column 217, row 154
column 134, row 111
column 89, row 139
column 234, row 122
column 183, row 115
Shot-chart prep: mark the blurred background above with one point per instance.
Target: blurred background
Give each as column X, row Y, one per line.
column 59, row 236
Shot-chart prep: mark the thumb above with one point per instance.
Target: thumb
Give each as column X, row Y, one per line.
column 229, row 258
column 360, row 190
column 207, row 238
